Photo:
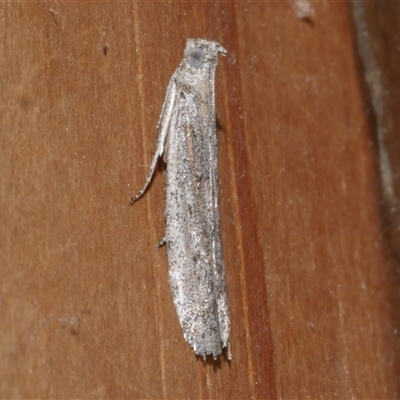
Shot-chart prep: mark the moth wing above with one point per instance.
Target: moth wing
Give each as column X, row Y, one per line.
column 196, row 269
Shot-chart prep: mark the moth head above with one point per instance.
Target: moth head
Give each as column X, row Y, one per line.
column 198, row 51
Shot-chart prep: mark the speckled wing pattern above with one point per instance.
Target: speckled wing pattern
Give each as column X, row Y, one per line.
column 187, row 138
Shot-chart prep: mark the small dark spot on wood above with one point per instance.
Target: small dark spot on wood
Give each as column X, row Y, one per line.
column 308, row 21
column 74, row 330
column 220, row 127
column 25, row 103
column 105, row 50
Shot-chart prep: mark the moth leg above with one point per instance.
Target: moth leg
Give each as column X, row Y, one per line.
column 162, row 242
column 163, row 124
column 229, row 352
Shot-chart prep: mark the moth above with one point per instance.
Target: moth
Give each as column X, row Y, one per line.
column 188, row 143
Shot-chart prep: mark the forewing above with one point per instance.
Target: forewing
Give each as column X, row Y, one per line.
column 192, row 226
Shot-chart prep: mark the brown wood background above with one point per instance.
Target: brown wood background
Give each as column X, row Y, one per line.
column 85, row 307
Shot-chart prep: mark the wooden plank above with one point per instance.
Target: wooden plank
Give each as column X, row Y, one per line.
column 86, row 307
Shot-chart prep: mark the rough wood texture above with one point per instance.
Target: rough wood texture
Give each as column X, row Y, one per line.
column 86, row 309
column 378, row 43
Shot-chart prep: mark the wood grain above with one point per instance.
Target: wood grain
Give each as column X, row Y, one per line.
column 86, row 309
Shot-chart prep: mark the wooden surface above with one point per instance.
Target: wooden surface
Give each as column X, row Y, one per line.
column 86, row 310
column 377, row 28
